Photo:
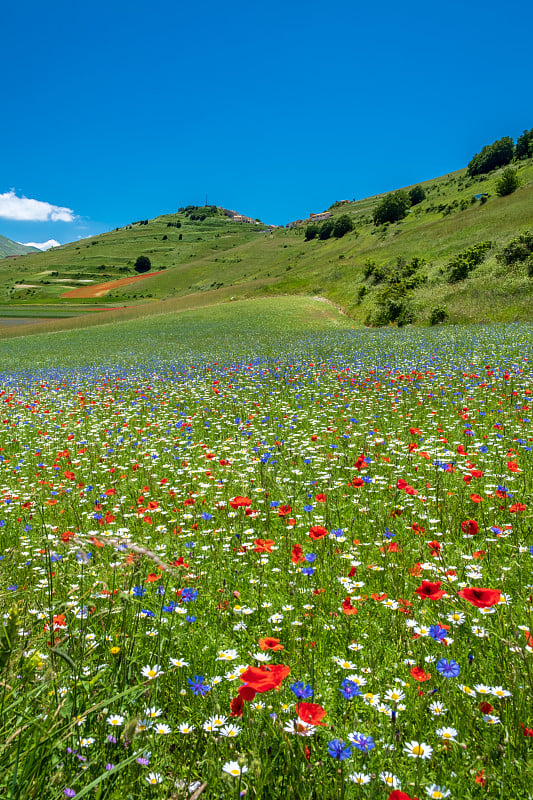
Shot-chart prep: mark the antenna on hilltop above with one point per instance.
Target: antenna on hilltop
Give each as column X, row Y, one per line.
column 206, row 199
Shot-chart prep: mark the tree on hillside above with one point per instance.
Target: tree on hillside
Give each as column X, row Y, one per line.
column 392, row 208
column 311, row 232
column 416, row 195
column 326, row 229
column 508, row 182
column 343, row 224
column 143, row 264
column 492, row 156
column 524, row 145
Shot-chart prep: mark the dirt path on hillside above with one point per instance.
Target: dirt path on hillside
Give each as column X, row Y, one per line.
column 100, row 289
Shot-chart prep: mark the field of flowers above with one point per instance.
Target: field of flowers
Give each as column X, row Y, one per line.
column 302, row 570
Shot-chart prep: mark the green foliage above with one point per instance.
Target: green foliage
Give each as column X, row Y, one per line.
column 524, row 145
column 311, row 232
column 463, row 263
column 326, row 229
column 508, row 182
column 143, row 264
column 437, row 315
column 393, row 302
column 416, row 195
column 392, row 208
column 343, row 225
column 492, row 156
column 517, row 250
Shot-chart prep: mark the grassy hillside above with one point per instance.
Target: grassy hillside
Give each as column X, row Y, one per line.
column 10, row 248
column 216, row 259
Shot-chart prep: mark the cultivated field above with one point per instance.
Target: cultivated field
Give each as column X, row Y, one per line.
column 253, row 551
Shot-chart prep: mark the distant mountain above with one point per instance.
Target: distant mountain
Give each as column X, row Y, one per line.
column 10, row 248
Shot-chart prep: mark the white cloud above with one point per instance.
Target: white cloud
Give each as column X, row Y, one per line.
column 24, row 209
column 43, row 245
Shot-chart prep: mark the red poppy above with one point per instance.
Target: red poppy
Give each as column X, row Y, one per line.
column 236, row 705
column 485, row 707
column 262, row 679
column 347, row 607
column 240, row 502
column 419, row 675
column 430, row 591
column 470, row 527
column 263, row 545
column 296, row 554
column 284, row 511
column 513, row 466
column 358, row 482
column 398, row 795
column 481, row 598
column 435, row 547
column 360, row 463
column 476, row 498
column 320, row 498
column 517, row 507
column 311, row 713
column 317, row 532
column 269, row 643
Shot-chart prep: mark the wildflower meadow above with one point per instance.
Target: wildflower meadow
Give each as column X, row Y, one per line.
column 269, row 567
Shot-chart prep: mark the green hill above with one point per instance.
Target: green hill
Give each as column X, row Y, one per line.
column 10, row 248
column 445, row 260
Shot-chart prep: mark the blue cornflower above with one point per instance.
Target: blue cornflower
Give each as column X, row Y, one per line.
column 190, row 618
column 337, row 532
column 206, row 516
column 187, row 594
column 308, row 571
column 169, row 609
column 308, row 508
column 301, row 690
column 339, row 749
column 437, row 633
column 363, row 743
column 310, row 557
column 349, row 689
column 198, row 685
column 531, row 550
column 450, row 669
column 274, row 503
column 138, row 591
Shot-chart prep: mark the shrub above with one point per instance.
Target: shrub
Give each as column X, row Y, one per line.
column 326, row 229
column 311, row 232
column 518, row 249
column 437, row 315
column 143, row 264
column 342, row 225
column 392, row 208
column 416, row 195
column 463, row 263
column 508, row 182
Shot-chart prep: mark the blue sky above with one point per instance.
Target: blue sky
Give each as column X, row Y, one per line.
column 116, row 111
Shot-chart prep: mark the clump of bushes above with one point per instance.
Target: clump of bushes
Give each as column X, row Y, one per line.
column 519, row 250
column 438, row 315
column 330, row 227
column 463, row 263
